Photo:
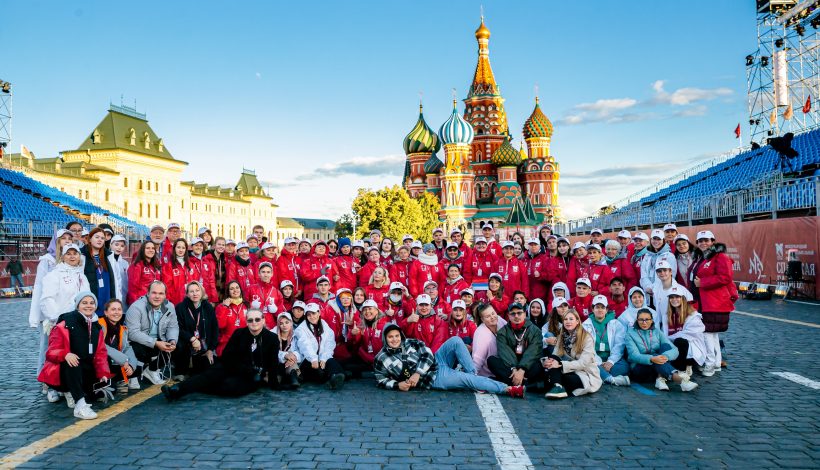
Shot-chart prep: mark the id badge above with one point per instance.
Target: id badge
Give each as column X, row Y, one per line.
column 253, row 346
column 101, row 283
column 519, row 348
column 601, row 347
column 370, row 349
column 236, row 323
column 479, row 272
column 196, row 334
column 90, row 348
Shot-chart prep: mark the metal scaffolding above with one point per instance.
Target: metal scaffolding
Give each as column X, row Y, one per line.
column 6, row 93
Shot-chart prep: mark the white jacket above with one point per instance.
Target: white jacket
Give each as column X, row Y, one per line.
column 59, row 288
column 46, row 265
column 294, row 347
column 615, row 335
column 692, row 332
column 310, row 349
column 120, row 269
column 585, row 367
column 660, row 297
column 648, row 266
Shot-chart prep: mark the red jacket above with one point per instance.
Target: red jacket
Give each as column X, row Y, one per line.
column 347, row 268
column 445, row 263
column 577, row 270
column 465, row 250
column 479, row 266
column 288, row 266
column 229, row 318
column 204, row 271
column 242, row 274
column 618, row 307
column 386, row 261
column 513, row 272
column 501, row 305
column 717, row 292
column 367, row 270
column 431, row 329
column 582, row 305
column 537, row 274
column 452, row 291
column 400, row 311
column 494, row 248
column 600, row 275
column 465, row 330
column 175, row 278
column 368, row 342
column 421, row 272
column 268, row 295
column 380, row 295
column 557, row 269
column 59, row 345
column 140, row 276
column 442, row 308
column 621, row 268
column 334, row 317
column 400, row 272
column 312, row 270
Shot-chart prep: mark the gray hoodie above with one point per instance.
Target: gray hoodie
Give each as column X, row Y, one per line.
column 138, row 322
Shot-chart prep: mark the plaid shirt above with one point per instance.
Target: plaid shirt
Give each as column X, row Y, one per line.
column 392, row 366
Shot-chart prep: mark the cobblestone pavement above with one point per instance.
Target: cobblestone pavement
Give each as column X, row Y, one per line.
column 742, row 417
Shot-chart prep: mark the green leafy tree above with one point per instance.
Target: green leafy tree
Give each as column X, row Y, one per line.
column 344, row 226
column 395, row 213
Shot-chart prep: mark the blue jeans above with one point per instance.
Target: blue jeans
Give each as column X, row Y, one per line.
column 453, row 350
column 619, row 368
column 649, row 372
column 17, row 281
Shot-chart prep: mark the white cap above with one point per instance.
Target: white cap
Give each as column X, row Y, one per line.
column 467, row 290
column 85, row 232
column 416, row 244
column 285, row 283
column 488, row 225
column 507, row 243
column 118, row 238
column 202, row 230
column 678, row 289
column 370, row 303
column 600, row 299
column 624, row 234
column 230, row 242
column 64, row 231
column 594, row 246
column 286, row 315
column 657, row 233
column 456, row 230
column 423, row 299
column 406, row 237
column 196, row 240
column 108, row 230
column 662, row 264
column 438, row 229
column 431, row 282
column 291, row 240
column 396, row 285
column 458, row 303
column 372, row 248
column 157, row 227
column 681, row 236
column 357, row 243
column 241, row 245
column 705, row 234
column 495, row 275
column 322, row 279
column 299, row 304
column 306, row 240
column 71, row 246
column 251, row 236
column 263, row 264
column 173, row 225
column 670, row 227
column 580, row 245
column 641, row 236
column 266, row 245
column 585, row 281
column 343, row 290
column 452, row 245
column 596, row 230
column 479, row 239
column 312, row 307
column 558, row 301
column 533, row 241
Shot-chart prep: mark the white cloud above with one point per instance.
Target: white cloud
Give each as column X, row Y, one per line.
column 686, row 96
column 362, row 166
column 608, row 106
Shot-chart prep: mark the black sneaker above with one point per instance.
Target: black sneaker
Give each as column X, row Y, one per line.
column 336, row 382
column 171, row 392
column 556, row 392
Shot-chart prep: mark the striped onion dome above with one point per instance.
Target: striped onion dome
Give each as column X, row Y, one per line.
column 456, row 130
column 421, row 139
column 537, row 125
column 433, row 165
column 506, row 155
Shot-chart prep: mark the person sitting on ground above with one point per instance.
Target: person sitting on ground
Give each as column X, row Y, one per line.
column 609, row 335
column 153, row 331
column 685, row 328
column 637, row 301
column 571, row 368
column 650, row 354
column 76, row 360
column 405, row 363
column 289, row 356
column 198, row 333
column 121, row 359
column 461, row 326
column 519, row 348
column 316, row 343
column 484, row 338
column 555, row 321
column 250, row 362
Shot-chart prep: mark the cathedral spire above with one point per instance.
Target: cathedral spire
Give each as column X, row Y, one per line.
column 483, row 80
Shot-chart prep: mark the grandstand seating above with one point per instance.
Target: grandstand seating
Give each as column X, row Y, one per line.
column 28, row 199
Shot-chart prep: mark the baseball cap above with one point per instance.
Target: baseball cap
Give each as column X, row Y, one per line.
column 430, row 283
column 423, row 299
column 202, row 230
column 157, row 227
column 670, row 227
column 322, row 279
column 456, row 230
column 507, row 244
column 533, row 241
column 585, row 281
column 641, row 236
column 250, row 236
column 291, row 240
column 600, row 299
column 311, row 307
column 416, row 244
column 657, row 233
column 594, row 246
column 596, row 230
column 705, row 234
column 266, row 245
column 241, row 245
column 118, row 238
column 438, row 229
column 558, row 301
column 452, row 245
column 479, row 239
column 71, row 246
column 298, row 304
column 624, row 234
column 458, row 303
column 406, row 237
column 230, row 242
column 370, row 303
column 285, row 283
column 468, row 290
column 497, row 276
column 580, row 245
column 173, row 225
column 396, row 285
column 196, row 240
column 681, row 236
column 662, row 264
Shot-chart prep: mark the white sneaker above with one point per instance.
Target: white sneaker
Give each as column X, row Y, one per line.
column 708, row 371
column 684, row 376
column 689, row 371
column 53, row 396
column 84, row 412
column 153, row 376
column 69, row 400
column 133, row 383
column 621, row 381
column 688, row 386
column 179, row 378
column 660, row 384
column 45, row 389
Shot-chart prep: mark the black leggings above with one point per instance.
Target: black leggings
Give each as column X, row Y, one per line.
column 148, row 356
column 570, row 380
column 186, row 363
column 332, row 367
column 683, row 350
column 216, row 381
column 501, row 370
column 79, row 381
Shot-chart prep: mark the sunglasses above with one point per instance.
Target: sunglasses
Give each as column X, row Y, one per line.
column 518, row 312
column 254, row 320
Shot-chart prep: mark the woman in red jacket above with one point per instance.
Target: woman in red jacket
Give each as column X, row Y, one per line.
column 425, row 269
column 388, row 252
column 536, row 261
column 496, row 295
column 451, row 289
column 461, row 326
column 513, row 271
column 366, row 336
column 230, row 315
column 203, row 269
column 175, row 273
column 715, row 292
column 143, row 271
column 400, row 271
column 317, row 265
column 265, row 296
column 288, row 266
column 619, row 264
column 599, row 272
column 241, row 269
column 579, row 264
column 267, row 253
column 378, row 289
column 347, row 266
column 373, row 261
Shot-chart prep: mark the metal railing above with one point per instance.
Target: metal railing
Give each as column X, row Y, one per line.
column 765, row 200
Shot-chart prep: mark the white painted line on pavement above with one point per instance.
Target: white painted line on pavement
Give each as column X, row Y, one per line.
column 813, row 304
column 798, row 379
column 794, row 322
column 509, row 452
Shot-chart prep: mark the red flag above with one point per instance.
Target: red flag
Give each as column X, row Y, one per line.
column 737, row 132
column 807, row 106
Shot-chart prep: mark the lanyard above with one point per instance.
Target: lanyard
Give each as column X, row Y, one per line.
column 603, row 333
column 198, row 316
column 644, row 342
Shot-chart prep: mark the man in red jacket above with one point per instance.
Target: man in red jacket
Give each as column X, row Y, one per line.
column 265, row 296
column 479, row 266
column 513, row 271
column 536, row 261
column 492, row 245
column 457, row 237
column 288, row 266
column 171, row 236
column 425, row 325
column 582, row 300
column 317, row 265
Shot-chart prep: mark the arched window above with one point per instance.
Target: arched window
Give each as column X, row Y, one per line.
column 96, row 138
column 132, row 136
column 156, row 186
column 146, row 140
column 139, row 185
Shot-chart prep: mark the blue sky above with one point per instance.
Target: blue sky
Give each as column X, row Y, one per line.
column 317, row 96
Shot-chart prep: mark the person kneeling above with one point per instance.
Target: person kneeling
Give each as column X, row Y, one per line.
column 404, row 364
column 250, row 361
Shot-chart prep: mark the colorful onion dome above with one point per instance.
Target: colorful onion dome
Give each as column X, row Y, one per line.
column 456, row 130
column 537, row 125
column 482, row 32
column 421, row 139
column 506, row 155
column 433, row 165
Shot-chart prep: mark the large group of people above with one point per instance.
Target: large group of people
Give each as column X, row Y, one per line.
column 516, row 316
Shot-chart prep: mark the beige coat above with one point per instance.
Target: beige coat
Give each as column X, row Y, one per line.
column 585, row 367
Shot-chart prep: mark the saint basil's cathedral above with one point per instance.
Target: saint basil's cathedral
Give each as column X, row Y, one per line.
column 483, row 177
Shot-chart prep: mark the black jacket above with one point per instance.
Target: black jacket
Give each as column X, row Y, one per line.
column 208, row 326
column 91, row 272
column 78, row 336
column 240, row 360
